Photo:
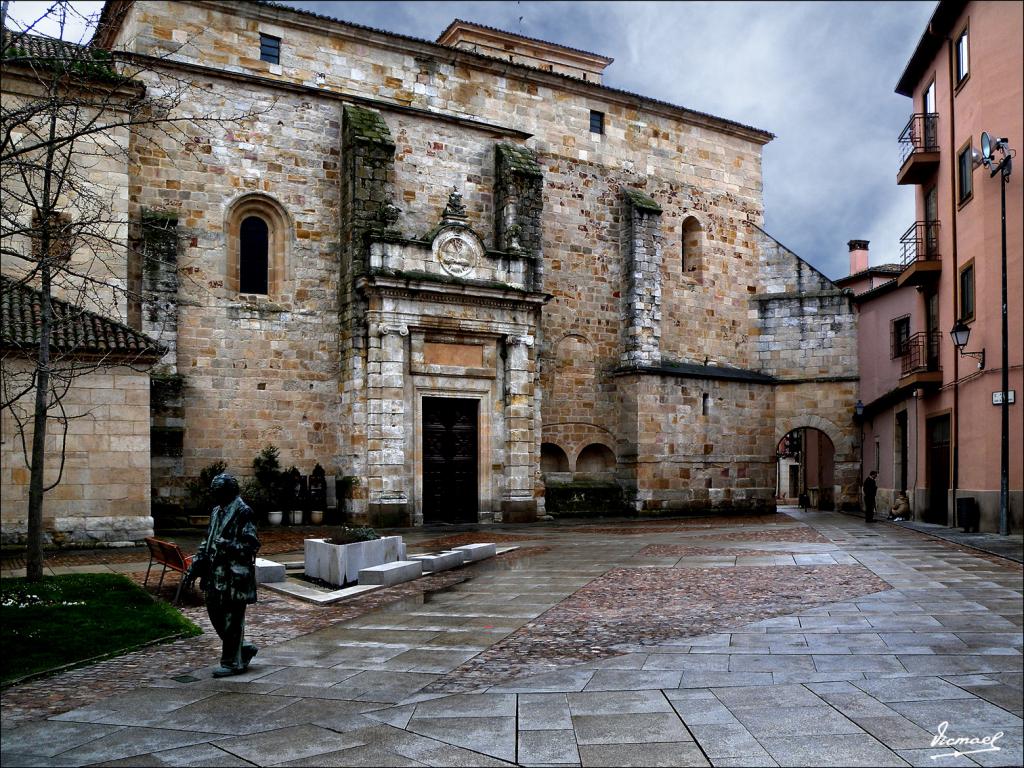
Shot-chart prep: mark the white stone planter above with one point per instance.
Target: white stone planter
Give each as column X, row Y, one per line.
column 275, row 517
column 339, row 564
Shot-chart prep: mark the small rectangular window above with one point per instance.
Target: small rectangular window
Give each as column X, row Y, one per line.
column 596, row 121
column 967, row 292
column 965, row 167
column 962, row 57
column 270, row 49
column 900, row 336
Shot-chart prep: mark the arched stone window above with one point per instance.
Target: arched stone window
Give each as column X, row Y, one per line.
column 692, row 247
column 596, row 462
column 258, row 236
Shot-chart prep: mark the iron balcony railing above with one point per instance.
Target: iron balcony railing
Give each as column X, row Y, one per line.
column 920, row 135
column 920, row 353
column 920, row 243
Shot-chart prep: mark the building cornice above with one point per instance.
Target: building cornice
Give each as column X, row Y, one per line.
column 439, row 290
column 407, row 45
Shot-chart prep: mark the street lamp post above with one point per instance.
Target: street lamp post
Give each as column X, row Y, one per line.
column 1004, row 167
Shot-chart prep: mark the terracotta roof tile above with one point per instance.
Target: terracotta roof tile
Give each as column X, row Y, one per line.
column 75, row 329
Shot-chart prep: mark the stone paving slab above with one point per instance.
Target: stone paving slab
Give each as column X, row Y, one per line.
column 855, row 679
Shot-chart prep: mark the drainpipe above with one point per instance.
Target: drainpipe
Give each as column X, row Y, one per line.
column 956, row 297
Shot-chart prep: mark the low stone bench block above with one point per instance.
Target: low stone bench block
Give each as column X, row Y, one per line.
column 389, row 574
column 474, row 552
column 269, row 572
column 441, row 561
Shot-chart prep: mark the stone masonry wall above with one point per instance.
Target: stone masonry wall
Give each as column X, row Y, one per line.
column 807, row 338
column 103, row 495
column 688, row 164
column 699, row 443
column 807, row 324
column 256, row 370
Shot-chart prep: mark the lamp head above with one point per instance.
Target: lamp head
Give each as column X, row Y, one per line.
column 858, row 409
column 961, row 334
column 986, row 147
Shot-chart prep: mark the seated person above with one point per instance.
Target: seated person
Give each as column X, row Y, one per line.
column 901, row 508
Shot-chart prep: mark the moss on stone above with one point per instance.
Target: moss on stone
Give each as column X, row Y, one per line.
column 641, row 201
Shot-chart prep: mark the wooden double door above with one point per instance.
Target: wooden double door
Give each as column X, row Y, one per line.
column 451, row 442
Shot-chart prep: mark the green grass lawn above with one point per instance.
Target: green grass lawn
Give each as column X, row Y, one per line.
column 68, row 619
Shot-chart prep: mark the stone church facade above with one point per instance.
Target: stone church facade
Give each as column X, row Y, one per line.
column 486, row 275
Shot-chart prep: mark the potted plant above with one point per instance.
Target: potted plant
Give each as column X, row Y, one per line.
column 263, row 492
column 337, row 560
column 296, row 494
column 317, row 495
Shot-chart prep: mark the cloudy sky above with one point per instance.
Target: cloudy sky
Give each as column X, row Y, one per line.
column 819, row 75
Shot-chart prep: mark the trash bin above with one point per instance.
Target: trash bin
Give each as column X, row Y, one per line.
column 967, row 514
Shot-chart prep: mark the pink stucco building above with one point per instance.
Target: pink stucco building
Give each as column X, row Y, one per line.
column 930, row 423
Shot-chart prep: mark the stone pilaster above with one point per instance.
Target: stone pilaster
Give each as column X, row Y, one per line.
column 367, row 182
column 642, row 294
column 519, row 504
column 388, row 496
column 518, row 193
column 159, row 300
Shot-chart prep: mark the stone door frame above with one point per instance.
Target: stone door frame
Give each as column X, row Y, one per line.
column 453, row 387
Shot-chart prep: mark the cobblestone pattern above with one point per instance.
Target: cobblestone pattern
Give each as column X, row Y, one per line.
column 652, row 605
column 793, row 534
column 681, row 550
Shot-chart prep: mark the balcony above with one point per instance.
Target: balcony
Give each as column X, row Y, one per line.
column 919, row 254
column 919, row 362
column 919, row 149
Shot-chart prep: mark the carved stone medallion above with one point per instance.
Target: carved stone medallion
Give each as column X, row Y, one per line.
column 457, row 251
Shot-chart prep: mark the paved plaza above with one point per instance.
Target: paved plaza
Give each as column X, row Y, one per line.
column 795, row 639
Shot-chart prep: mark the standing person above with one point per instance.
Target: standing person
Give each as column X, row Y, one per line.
column 225, row 565
column 870, row 489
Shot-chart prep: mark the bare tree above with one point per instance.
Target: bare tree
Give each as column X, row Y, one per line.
column 71, row 116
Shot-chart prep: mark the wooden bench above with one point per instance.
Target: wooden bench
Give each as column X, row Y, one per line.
column 169, row 555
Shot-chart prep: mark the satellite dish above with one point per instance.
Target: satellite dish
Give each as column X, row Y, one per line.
column 986, row 145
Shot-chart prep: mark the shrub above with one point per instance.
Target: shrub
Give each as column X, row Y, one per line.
column 347, row 534
column 200, row 500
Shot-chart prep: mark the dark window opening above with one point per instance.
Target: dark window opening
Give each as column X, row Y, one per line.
column 596, row 121
column 900, row 336
column 270, row 49
column 965, row 167
column 967, row 293
column 254, row 242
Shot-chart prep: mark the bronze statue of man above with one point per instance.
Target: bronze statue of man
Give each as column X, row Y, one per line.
column 226, row 569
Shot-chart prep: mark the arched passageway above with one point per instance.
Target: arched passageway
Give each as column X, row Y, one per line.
column 805, row 459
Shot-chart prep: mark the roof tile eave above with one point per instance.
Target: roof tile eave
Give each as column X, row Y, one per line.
column 76, row 330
